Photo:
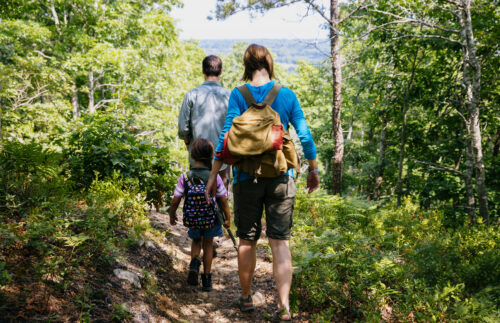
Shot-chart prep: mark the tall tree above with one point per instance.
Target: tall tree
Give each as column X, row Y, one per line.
column 448, row 20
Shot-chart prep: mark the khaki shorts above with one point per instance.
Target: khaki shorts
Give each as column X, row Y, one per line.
column 277, row 195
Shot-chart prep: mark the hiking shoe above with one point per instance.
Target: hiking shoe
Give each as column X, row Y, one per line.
column 246, row 304
column 282, row 316
column 194, row 269
column 206, row 282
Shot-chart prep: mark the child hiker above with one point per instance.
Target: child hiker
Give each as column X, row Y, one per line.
column 199, row 216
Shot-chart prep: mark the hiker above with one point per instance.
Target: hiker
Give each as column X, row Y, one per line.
column 198, row 215
column 276, row 194
column 203, row 110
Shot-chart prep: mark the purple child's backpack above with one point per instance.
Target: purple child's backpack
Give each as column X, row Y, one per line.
column 197, row 213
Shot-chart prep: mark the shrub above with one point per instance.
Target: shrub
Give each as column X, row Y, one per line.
column 106, row 143
column 358, row 260
column 30, row 177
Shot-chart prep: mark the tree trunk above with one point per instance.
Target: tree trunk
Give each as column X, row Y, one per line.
column 472, row 82
column 337, row 100
column 349, row 130
column 402, row 143
column 355, row 105
column 469, row 169
column 362, row 133
column 496, row 146
column 91, row 107
column 381, row 158
column 74, row 102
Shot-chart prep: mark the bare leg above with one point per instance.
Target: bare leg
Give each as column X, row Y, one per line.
column 195, row 248
column 247, row 258
column 282, row 270
column 207, row 254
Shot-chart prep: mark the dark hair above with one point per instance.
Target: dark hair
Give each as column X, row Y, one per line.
column 212, row 65
column 202, row 151
column 257, row 57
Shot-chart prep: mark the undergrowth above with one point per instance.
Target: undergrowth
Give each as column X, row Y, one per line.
column 53, row 236
column 364, row 261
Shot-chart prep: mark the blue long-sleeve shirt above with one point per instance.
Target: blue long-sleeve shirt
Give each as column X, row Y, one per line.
column 287, row 106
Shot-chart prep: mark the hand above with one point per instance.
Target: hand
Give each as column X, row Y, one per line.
column 211, row 188
column 227, row 223
column 173, row 220
column 312, row 182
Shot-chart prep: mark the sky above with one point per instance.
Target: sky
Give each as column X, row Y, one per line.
column 286, row 22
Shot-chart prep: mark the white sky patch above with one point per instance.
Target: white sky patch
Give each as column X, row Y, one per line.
column 287, row 22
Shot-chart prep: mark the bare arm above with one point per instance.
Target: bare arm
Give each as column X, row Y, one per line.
column 173, row 209
column 211, row 186
column 225, row 209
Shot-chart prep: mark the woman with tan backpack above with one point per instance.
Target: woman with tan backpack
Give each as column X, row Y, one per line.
column 263, row 179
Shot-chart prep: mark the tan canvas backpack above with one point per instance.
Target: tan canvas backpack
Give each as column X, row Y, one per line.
column 257, row 140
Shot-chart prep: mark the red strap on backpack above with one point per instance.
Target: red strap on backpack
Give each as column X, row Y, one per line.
column 225, row 155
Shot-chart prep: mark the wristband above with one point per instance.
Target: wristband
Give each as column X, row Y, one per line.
column 314, row 171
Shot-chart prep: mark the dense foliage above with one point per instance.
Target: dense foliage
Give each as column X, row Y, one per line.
column 368, row 262
column 89, row 97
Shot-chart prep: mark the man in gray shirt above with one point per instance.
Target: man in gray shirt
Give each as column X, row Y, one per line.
column 203, row 111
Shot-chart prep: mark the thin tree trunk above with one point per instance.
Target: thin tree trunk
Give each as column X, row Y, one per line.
column 472, row 81
column 349, row 130
column 55, row 17
column 74, row 102
column 496, row 147
column 362, row 134
column 469, row 169
column 402, row 143
column 381, row 158
column 355, row 105
column 91, row 107
column 337, row 100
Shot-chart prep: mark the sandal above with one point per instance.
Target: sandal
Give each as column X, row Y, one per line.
column 246, row 304
column 278, row 316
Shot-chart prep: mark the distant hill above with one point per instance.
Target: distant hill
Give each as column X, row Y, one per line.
column 285, row 51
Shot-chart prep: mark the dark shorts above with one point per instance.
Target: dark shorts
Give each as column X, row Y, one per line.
column 195, row 233
column 276, row 195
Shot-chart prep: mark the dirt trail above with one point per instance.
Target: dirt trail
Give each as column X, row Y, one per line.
column 178, row 301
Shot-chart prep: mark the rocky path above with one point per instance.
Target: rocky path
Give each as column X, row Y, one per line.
column 176, row 301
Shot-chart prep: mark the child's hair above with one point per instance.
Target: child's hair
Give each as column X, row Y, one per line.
column 202, row 151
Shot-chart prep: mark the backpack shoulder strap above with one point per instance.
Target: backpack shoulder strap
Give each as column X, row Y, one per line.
column 273, row 92
column 200, row 174
column 247, row 95
column 186, row 184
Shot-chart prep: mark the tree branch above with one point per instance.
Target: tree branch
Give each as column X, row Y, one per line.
column 456, row 3
column 42, row 54
column 372, row 30
column 420, row 21
column 27, row 101
column 430, row 36
column 98, row 86
column 147, row 133
column 319, row 11
column 349, row 15
column 103, row 102
column 438, row 167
